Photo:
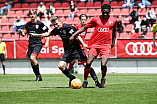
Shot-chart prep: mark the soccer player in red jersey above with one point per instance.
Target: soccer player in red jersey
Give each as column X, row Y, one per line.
column 83, row 19
column 101, row 41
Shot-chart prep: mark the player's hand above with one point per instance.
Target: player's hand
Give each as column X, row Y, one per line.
column 112, row 46
column 5, row 56
column 85, row 45
column 46, row 45
column 20, row 31
column 71, row 39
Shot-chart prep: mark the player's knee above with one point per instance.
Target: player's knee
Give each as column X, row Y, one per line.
column 32, row 58
column 61, row 67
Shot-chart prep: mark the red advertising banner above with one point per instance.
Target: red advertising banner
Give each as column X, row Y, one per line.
column 10, row 49
column 131, row 48
column 55, row 50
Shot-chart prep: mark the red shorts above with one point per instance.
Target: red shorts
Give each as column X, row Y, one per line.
column 103, row 51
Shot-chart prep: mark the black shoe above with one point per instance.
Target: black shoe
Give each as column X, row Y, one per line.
column 38, row 78
column 98, row 85
column 73, row 77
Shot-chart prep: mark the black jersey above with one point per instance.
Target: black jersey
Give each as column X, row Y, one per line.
column 65, row 33
column 38, row 27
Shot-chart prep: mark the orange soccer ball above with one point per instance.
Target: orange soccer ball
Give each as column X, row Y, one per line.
column 76, row 84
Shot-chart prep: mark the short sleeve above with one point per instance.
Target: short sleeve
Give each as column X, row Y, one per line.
column 91, row 23
column 44, row 27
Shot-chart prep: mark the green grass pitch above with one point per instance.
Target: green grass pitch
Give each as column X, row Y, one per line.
column 120, row 89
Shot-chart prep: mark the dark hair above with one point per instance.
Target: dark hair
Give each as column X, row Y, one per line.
column 83, row 15
column 106, row 6
column 32, row 10
column 54, row 18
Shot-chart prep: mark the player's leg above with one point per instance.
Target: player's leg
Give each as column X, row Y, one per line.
column 33, row 52
column 2, row 61
column 3, row 65
column 93, row 75
column 62, row 66
column 87, row 69
column 72, row 64
column 103, row 70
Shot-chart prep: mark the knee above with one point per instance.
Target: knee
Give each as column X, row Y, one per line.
column 61, row 67
column 32, row 58
column 88, row 66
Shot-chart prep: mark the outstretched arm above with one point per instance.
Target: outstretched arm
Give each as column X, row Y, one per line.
column 46, row 34
column 113, row 37
column 22, row 33
column 78, row 32
column 82, row 42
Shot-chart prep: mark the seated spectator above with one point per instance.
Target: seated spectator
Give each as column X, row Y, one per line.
column 137, row 25
column 134, row 16
column 18, row 24
column 41, row 10
column 50, row 11
column 144, row 26
column 119, row 25
column 73, row 11
column 151, row 17
column 128, row 4
column 144, row 3
column 8, row 5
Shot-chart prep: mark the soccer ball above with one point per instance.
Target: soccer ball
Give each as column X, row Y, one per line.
column 76, row 84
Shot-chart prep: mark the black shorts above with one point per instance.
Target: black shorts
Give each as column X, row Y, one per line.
column 69, row 56
column 2, row 57
column 33, row 50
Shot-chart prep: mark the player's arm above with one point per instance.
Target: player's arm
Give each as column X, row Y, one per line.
column 46, row 34
column 5, row 52
column 22, row 33
column 113, row 37
column 82, row 42
column 154, row 35
column 47, row 41
column 78, row 32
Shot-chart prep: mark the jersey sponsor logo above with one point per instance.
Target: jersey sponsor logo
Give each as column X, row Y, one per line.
column 64, row 32
column 71, row 31
column 100, row 29
column 110, row 23
column 140, row 48
column 36, row 26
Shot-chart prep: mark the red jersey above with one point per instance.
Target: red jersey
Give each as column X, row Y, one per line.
column 102, row 34
column 82, row 35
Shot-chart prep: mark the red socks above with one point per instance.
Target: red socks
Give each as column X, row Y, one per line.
column 86, row 72
column 70, row 66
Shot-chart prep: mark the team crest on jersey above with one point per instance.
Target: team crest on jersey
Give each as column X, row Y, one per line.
column 110, row 23
column 36, row 26
column 64, row 31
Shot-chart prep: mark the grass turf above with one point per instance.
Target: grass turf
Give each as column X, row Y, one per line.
column 120, row 89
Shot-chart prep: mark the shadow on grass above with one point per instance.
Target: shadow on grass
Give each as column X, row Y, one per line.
column 28, row 80
column 64, row 87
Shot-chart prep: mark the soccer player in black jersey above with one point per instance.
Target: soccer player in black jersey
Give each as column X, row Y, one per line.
column 35, row 43
column 71, row 50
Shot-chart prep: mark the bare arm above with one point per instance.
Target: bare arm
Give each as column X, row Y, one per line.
column 21, row 33
column 113, row 37
column 78, row 32
column 5, row 52
column 82, row 42
column 46, row 34
column 154, row 34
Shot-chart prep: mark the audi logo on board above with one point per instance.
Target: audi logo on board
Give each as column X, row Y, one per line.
column 140, row 48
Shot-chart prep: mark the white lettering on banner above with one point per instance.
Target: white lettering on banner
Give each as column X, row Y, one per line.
column 103, row 29
column 143, row 46
column 55, row 49
column 45, row 50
